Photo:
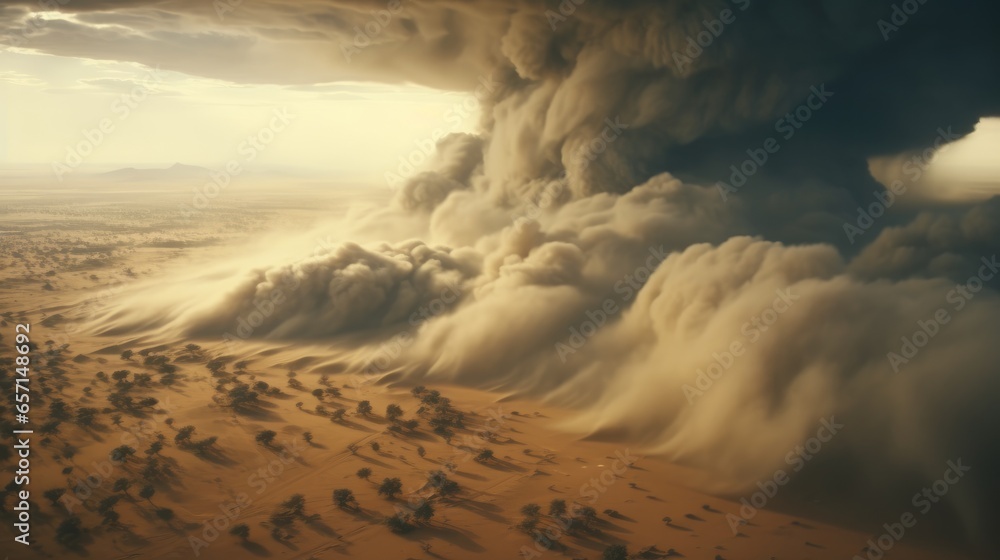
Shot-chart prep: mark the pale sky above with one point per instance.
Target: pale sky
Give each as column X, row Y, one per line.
column 47, row 101
column 350, row 128
column 976, row 156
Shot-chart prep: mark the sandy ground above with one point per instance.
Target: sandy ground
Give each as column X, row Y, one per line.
column 61, row 248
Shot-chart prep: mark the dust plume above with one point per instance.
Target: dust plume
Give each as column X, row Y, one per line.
column 649, row 179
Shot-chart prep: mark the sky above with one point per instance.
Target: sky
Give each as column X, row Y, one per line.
column 48, row 103
column 161, row 117
column 974, row 156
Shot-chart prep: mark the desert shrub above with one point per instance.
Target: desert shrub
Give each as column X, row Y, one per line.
column 344, row 498
column 393, row 412
column 484, row 455
column 122, row 453
column 390, row 487
column 557, row 508
column 122, row 485
column 54, row 494
column 531, row 510
column 183, row 436
column 85, row 416
column 397, row 524
column 424, row 512
column 70, row 532
column 266, row 437
column 241, row 530
column 615, row 552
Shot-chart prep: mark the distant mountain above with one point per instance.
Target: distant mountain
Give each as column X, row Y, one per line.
column 175, row 173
